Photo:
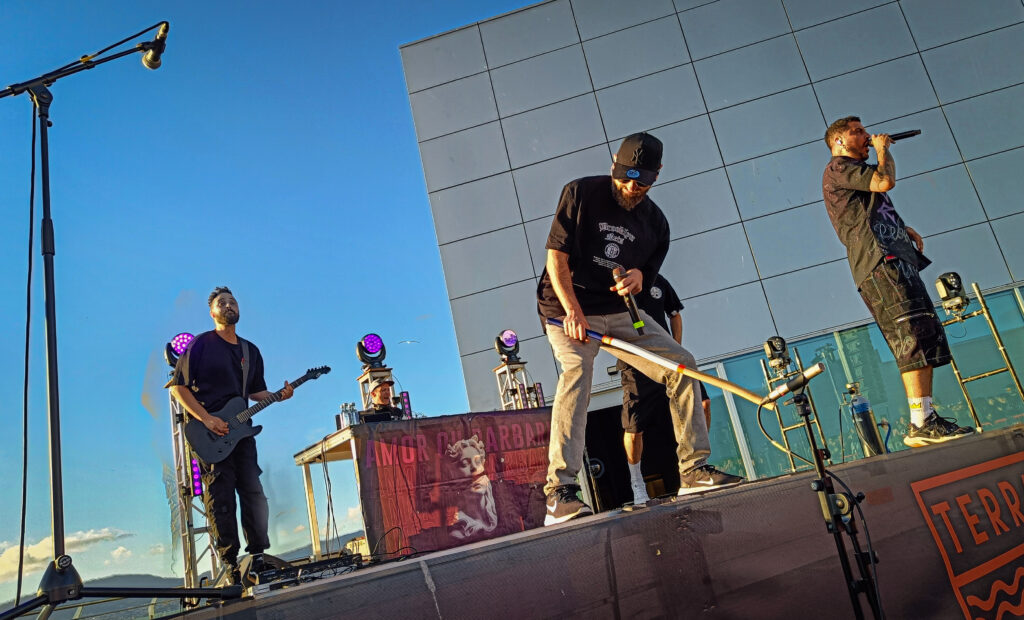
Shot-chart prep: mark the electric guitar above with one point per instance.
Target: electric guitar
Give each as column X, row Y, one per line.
column 213, row 448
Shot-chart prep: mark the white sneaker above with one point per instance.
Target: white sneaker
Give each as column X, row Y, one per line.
column 640, row 494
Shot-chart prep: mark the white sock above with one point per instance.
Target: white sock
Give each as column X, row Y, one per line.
column 635, row 475
column 920, row 408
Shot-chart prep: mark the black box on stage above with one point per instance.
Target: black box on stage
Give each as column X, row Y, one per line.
column 659, row 463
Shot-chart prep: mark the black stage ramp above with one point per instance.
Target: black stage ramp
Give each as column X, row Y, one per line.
column 946, row 522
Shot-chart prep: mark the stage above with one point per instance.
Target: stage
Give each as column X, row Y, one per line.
column 946, row 523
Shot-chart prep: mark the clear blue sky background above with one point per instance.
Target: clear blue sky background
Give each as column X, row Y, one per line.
column 274, row 153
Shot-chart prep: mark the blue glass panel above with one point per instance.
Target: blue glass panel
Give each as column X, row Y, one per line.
column 751, row 72
column 768, row 125
column 728, row 24
column 989, row 123
column 544, row 79
column 1000, row 182
column 805, row 13
column 935, row 22
column 880, row 34
column 528, row 32
column 597, row 17
column 1009, row 232
column 977, row 65
column 904, row 82
column 662, row 47
column 668, row 96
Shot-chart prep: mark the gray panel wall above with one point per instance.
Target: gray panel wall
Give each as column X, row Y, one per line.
column 740, row 91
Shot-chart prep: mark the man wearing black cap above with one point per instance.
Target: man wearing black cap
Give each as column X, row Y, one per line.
column 380, row 402
column 603, row 223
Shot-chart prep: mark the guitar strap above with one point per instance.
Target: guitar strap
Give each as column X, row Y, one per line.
column 245, row 369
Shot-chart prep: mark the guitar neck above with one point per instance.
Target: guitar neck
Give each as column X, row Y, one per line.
column 246, row 415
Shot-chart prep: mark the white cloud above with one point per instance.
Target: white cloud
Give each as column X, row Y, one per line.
column 158, row 549
column 37, row 555
column 121, row 554
column 299, row 528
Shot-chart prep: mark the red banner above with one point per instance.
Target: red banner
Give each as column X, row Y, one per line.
column 434, row 483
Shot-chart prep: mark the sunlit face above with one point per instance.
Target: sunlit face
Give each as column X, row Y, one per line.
column 381, row 395
column 224, row 309
column 856, row 140
column 629, row 193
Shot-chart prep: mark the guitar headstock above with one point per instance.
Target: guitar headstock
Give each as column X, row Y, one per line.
column 316, row 373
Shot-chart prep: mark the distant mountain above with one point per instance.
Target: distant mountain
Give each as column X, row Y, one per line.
column 125, row 609
column 130, row 609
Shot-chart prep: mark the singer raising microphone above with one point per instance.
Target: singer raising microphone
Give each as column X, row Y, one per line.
column 885, row 258
column 603, row 223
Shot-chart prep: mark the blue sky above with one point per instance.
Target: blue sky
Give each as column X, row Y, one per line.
column 274, row 153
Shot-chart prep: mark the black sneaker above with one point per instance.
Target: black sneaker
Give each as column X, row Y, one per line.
column 705, row 478
column 564, row 504
column 936, row 429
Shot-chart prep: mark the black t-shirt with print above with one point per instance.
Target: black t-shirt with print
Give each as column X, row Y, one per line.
column 215, row 370
column 866, row 221
column 599, row 235
column 658, row 300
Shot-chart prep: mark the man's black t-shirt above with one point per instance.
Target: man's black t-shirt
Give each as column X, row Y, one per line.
column 659, row 300
column 866, row 221
column 599, row 235
column 215, row 370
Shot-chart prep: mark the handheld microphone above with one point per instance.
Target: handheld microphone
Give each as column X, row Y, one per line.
column 795, row 383
column 151, row 59
column 903, row 135
column 634, row 314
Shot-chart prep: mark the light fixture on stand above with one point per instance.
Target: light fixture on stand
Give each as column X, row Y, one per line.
column 513, row 387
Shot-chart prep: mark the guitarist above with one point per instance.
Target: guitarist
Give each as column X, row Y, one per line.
column 205, row 378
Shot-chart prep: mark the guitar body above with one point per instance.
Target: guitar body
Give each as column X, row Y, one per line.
column 211, row 448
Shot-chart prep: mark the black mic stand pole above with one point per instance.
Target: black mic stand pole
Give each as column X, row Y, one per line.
column 61, row 582
column 837, row 509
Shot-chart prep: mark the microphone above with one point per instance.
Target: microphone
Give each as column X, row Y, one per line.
column 903, row 135
column 795, row 383
column 634, row 314
column 151, row 59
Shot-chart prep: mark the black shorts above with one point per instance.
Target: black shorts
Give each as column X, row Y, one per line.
column 642, row 399
column 899, row 301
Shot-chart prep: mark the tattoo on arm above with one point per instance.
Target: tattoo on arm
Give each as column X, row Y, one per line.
column 886, row 173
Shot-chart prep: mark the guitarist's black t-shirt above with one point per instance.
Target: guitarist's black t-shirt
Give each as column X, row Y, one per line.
column 215, row 370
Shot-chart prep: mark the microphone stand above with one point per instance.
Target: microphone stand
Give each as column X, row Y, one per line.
column 837, row 509
column 61, row 582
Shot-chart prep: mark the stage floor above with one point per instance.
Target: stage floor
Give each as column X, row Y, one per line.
column 945, row 521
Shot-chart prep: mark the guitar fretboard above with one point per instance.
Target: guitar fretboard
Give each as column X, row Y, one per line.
column 246, row 415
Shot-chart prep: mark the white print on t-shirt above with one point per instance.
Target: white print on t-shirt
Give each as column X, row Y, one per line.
column 622, row 231
column 611, row 250
column 655, row 292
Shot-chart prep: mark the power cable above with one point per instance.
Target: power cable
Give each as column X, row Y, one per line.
column 24, row 395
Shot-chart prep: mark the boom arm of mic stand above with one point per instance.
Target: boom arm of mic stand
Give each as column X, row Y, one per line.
column 721, row 384
column 49, row 78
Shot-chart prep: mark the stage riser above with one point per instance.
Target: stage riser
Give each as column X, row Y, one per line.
column 758, row 551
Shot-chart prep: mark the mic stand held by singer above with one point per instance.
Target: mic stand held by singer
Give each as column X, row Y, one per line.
column 61, row 582
column 837, row 509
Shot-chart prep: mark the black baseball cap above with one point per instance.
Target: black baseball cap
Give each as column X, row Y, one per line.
column 638, row 159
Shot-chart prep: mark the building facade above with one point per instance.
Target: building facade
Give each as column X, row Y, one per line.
column 740, row 91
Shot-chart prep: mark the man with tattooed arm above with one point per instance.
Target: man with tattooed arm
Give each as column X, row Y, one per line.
column 885, row 258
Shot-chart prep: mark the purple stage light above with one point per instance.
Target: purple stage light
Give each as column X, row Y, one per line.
column 180, row 342
column 197, row 478
column 509, row 338
column 372, row 343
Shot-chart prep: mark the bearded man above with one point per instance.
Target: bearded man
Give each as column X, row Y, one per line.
column 603, row 223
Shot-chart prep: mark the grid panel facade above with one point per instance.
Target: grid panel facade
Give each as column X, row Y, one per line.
column 740, row 92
